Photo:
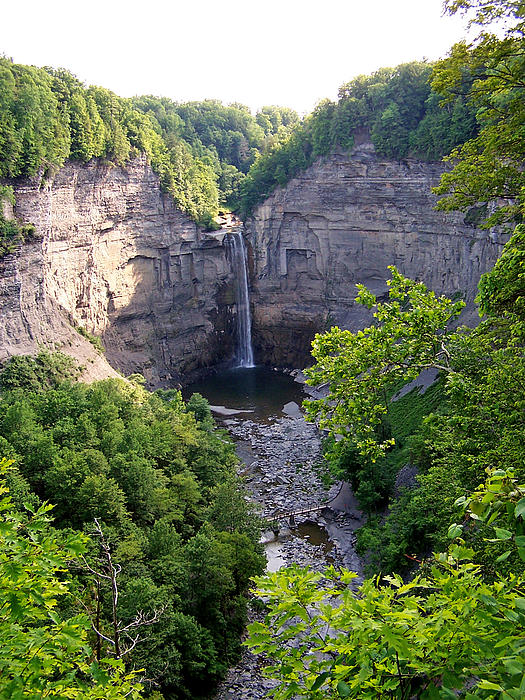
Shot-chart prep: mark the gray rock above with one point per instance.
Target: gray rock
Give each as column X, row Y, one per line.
column 115, row 256
column 341, row 222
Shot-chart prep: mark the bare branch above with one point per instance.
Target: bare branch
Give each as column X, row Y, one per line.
column 143, row 620
column 110, row 572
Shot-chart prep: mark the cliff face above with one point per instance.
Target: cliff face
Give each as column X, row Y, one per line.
column 114, row 256
column 344, row 221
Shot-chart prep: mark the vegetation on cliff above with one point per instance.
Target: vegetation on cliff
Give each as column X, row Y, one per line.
column 228, row 138
column 208, row 154
column 396, row 106
column 457, row 628
column 200, row 150
column 480, row 400
column 12, row 231
column 48, row 116
column 479, row 421
column 488, row 169
column 149, row 480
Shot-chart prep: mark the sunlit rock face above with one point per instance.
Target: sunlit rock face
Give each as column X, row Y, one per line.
column 342, row 222
column 115, row 256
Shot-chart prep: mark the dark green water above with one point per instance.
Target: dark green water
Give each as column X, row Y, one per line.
column 259, row 390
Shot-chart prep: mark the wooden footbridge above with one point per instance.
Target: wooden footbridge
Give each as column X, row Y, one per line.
column 291, row 515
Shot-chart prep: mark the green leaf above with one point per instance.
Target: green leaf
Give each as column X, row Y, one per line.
column 37, row 597
column 514, row 666
column 320, row 680
column 17, row 610
column 504, row 642
column 53, row 616
column 454, row 531
column 343, row 689
column 477, row 507
column 76, row 546
column 520, row 541
column 489, row 600
column 519, row 510
column 502, row 534
column 488, row 685
column 503, row 556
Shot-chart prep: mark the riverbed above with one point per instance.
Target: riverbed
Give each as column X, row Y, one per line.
column 280, row 461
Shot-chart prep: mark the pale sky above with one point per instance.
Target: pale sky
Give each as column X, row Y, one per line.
column 282, row 52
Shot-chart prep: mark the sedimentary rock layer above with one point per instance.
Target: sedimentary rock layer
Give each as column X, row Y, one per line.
column 114, row 256
column 342, row 222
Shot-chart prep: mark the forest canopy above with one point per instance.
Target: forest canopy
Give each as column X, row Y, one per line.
column 151, row 487
column 200, row 150
column 397, row 107
column 210, row 155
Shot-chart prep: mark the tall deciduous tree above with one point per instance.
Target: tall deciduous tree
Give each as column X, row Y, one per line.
column 411, row 334
column 489, row 167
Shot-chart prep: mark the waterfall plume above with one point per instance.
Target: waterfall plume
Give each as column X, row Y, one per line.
column 244, row 352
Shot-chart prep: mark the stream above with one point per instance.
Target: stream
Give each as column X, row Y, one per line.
column 280, row 462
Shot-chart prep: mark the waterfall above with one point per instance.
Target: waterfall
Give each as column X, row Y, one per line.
column 244, row 354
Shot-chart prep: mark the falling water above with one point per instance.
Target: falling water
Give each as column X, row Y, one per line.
column 244, row 353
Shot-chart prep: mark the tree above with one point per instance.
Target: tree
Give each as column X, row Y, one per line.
column 477, row 425
column 42, row 653
column 123, row 636
column 446, row 632
column 489, row 167
column 360, row 368
column 502, row 290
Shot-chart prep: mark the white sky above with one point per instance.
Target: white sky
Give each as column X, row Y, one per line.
column 284, row 52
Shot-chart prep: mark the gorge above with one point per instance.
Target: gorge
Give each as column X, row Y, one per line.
column 113, row 256
column 186, row 514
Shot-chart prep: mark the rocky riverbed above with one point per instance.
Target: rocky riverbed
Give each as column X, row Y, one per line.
column 281, row 463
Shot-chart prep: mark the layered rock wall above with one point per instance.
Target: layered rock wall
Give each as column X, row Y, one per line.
column 342, row 222
column 114, row 256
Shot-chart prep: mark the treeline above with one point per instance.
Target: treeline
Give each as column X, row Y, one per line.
column 48, row 116
column 208, row 154
column 228, row 138
column 200, row 150
column 160, row 480
column 403, row 114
